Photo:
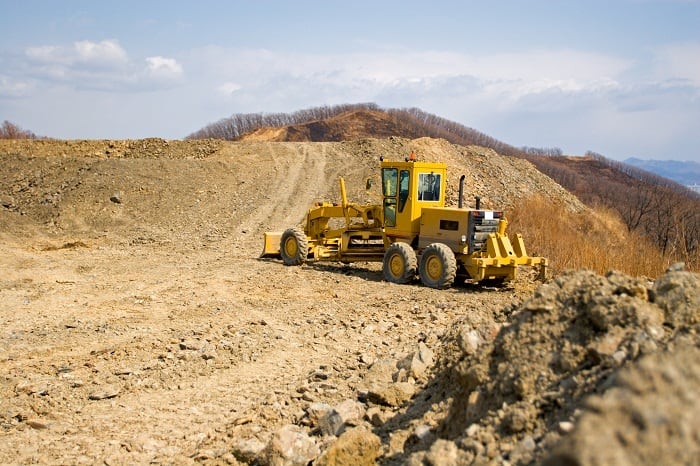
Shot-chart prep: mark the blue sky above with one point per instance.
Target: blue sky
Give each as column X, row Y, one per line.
column 618, row 77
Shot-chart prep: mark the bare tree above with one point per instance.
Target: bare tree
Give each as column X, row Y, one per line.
column 10, row 130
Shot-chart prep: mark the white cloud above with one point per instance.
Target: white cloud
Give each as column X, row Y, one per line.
column 228, row 88
column 164, row 67
column 105, row 53
column 48, row 54
column 10, row 87
column 103, row 65
column 503, row 78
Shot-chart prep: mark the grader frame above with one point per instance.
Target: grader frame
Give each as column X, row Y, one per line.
column 412, row 232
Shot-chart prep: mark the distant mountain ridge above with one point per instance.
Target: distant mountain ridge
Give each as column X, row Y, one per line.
column 686, row 173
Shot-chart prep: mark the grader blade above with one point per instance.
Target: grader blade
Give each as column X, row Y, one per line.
column 271, row 248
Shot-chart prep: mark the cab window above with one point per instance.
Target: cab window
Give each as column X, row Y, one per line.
column 389, row 212
column 429, row 186
column 390, row 188
column 403, row 189
column 389, row 184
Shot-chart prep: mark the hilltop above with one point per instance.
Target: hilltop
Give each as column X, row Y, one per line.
column 351, row 125
column 347, row 122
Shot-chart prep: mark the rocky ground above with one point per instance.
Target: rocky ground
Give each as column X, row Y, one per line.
column 140, row 326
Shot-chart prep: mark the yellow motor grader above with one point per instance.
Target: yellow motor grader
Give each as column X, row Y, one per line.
column 412, row 233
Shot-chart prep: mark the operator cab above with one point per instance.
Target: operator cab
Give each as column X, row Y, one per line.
column 407, row 187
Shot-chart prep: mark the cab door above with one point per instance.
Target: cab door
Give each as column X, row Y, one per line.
column 396, row 190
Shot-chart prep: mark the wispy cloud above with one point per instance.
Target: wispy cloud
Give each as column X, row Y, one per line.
column 103, row 65
column 107, row 53
column 506, row 77
column 228, row 88
column 679, row 62
column 164, row 67
column 11, row 87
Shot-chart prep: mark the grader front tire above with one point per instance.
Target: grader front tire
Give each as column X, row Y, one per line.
column 400, row 263
column 438, row 266
column 294, row 246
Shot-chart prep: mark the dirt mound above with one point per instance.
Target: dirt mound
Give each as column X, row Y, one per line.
column 647, row 416
column 161, row 191
column 518, row 387
column 139, row 325
column 141, row 148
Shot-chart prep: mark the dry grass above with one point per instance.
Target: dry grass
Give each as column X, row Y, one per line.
column 594, row 239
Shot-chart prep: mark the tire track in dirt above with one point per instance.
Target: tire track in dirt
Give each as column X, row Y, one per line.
column 295, row 175
column 287, row 178
column 291, row 176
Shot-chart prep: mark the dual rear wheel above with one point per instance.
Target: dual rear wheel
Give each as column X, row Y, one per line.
column 437, row 267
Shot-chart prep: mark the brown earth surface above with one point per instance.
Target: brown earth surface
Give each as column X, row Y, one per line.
column 140, row 326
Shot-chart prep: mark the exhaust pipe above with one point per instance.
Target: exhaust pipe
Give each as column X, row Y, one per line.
column 478, row 203
column 461, row 191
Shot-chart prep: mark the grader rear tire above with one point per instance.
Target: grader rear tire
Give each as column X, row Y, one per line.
column 400, row 263
column 294, row 246
column 438, row 266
